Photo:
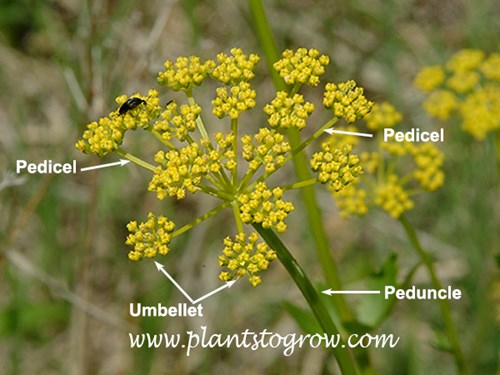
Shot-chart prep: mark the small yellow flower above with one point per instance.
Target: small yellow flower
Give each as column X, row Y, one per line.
column 267, row 147
column 288, row 112
column 178, row 171
column 352, row 201
column 463, row 81
column 236, row 68
column 481, row 111
column 233, row 101
column 429, row 161
column 441, row 104
column 264, row 206
column 105, row 136
column 185, row 73
column 150, row 238
column 301, row 67
column 346, row 100
column 101, row 138
column 491, row 67
column 382, row 116
column 178, row 122
column 392, row 197
column 336, row 167
column 429, row 78
column 464, row 60
column 244, row 256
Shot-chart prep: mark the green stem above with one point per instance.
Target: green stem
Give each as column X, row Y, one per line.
column 315, row 136
column 344, row 358
column 301, row 184
column 136, row 160
column 264, row 33
column 166, row 143
column 443, row 304
column 199, row 121
column 314, row 216
column 234, row 130
column 216, row 192
column 237, row 216
column 200, row 219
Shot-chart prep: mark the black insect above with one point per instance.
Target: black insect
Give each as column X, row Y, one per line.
column 130, row 104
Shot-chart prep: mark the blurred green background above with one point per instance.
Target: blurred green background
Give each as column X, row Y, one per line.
column 65, row 280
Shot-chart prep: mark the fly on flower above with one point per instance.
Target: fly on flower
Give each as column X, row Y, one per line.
column 130, row 104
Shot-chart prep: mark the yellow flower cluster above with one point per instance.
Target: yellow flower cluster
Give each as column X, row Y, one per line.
column 101, row 138
column 178, row 171
column 352, row 201
column 346, row 100
column 270, row 148
column 301, row 67
column 106, row 135
column 430, row 78
column 177, row 122
column 211, row 162
column 382, row 185
column 382, row 115
column 233, row 100
column 150, row 238
column 480, row 111
column 336, row 167
column 429, row 161
column 441, row 104
column 265, row 206
column 185, row 73
column 224, row 155
column 391, row 196
column 288, row 112
column 468, row 85
column 236, row 68
column 244, row 256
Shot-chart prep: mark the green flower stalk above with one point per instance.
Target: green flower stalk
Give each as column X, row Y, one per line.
column 231, row 165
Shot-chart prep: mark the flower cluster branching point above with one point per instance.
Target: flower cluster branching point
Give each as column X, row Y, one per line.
column 346, row 100
column 244, row 256
column 302, row 66
column 150, row 238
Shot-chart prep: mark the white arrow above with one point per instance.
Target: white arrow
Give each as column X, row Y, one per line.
column 331, row 131
column 161, row 268
column 120, row 163
column 228, row 284
column 331, row 292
